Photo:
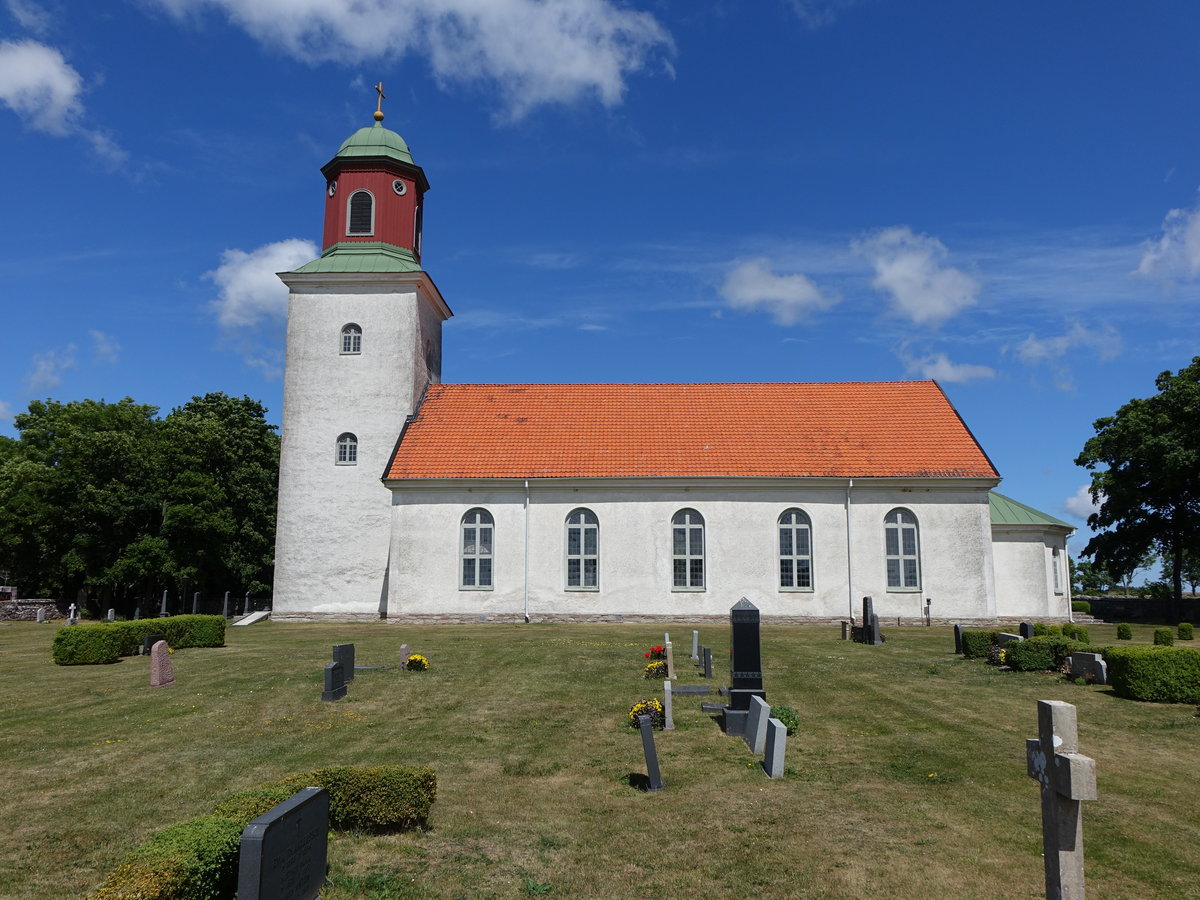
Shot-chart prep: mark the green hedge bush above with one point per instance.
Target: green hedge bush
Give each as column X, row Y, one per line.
column 1082, row 606
column 1158, row 674
column 192, row 860
column 246, row 806
column 1124, row 632
column 1039, row 629
column 81, row 645
column 1075, row 632
column 1033, row 655
column 1185, row 631
column 1163, row 637
column 788, row 716
column 373, row 798
column 975, row 643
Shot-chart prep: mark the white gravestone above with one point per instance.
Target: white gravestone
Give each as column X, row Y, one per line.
column 668, row 715
column 1066, row 778
column 695, row 645
column 670, row 661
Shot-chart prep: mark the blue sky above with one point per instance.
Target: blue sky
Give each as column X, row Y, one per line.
column 998, row 195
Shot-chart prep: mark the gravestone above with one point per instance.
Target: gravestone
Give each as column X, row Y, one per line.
column 845, row 630
column 652, row 772
column 41, row 615
column 1066, row 778
column 195, row 603
column 149, row 641
column 868, row 632
column 161, row 674
column 284, row 851
column 668, row 713
column 745, row 664
column 1026, row 630
column 72, row 615
column 691, row 689
column 756, row 725
column 404, row 653
column 1090, row 666
column 344, row 654
column 335, row 682
column 708, row 662
column 666, row 638
column 225, row 606
column 670, row 661
column 695, row 645
column 1004, row 638
column 162, row 612
column 112, row 615
column 137, row 613
column 958, row 630
column 775, row 751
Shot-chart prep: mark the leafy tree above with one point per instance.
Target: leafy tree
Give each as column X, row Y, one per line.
column 1146, row 478
column 1091, row 578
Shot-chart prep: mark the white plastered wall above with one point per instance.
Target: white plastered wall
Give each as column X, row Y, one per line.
column 1025, row 561
column 740, row 560
column 333, row 526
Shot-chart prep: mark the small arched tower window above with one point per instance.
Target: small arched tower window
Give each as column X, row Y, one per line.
column 360, row 217
column 351, row 339
column 347, row 450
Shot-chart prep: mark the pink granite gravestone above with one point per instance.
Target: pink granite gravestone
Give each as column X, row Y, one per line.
column 160, row 666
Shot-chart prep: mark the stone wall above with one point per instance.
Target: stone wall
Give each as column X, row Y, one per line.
column 26, row 610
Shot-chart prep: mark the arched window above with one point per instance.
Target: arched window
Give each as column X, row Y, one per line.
column 351, row 339
column 347, row 450
column 795, row 551
column 477, row 528
column 903, row 551
column 360, row 217
column 583, row 551
column 687, row 551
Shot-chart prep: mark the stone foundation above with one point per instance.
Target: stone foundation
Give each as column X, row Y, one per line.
column 631, row 619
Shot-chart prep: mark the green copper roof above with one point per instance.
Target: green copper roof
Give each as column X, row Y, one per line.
column 375, row 140
column 362, row 256
column 1006, row 511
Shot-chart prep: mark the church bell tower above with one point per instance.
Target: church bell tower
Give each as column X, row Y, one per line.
column 364, row 336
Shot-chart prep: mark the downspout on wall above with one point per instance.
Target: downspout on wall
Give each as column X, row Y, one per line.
column 526, row 551
column 849, row 553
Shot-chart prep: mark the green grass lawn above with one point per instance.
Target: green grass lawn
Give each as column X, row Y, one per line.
column 906, row 778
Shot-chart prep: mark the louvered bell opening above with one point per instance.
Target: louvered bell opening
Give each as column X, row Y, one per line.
column 361, row 213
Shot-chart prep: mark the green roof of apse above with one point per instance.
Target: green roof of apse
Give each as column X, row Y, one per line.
column 1007, row 511
column 362, row 256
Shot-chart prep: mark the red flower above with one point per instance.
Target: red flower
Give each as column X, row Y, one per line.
column 647, row 656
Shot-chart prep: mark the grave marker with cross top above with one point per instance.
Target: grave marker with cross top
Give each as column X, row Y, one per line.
column 1066, row 778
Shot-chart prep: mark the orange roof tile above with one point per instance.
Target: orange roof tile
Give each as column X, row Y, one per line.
column 854, row 429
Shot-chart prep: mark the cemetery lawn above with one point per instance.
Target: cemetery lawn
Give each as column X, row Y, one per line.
column 906, row 778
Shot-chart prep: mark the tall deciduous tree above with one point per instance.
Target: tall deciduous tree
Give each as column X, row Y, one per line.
column 1145, row 463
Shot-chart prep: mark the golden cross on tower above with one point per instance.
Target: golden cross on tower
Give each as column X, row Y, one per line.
column 379, row 105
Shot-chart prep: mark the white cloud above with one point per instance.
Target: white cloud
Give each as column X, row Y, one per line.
column 1080, row 503
column 105, row 346
column 909, row 267
column 6, row 412
column 788, row 298
column 1176, row 254
column 48, row 367
column 532, row 51
column 1105, row 342
column 29, row 16
column 249, row 288
column 39, row 86
column 818, row 13
column 939, row 367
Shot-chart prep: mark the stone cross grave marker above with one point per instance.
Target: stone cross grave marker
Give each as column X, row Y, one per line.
column 72, row 613
column 668, row 714
column 284, row 851
column 344, row 654
column 335, row 682
column 745, row 664
column 756, row 725
column 695, row 645
column 1066, row 778
column 958, row 630
column 653, row 775
column 670, row 660
column 161, row 674
column 1026, row 630
column 776, row 748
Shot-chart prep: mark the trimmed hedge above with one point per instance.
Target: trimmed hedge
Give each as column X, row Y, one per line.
column 1032, row 655
column 85, row 645
column 1163, row 637
column 1082, row 606
column 1185, row 631
column 1075, row 632
column 975, row 643
column 1157, row 674
column 1124, row 632
column 198, row 859
column 192, row 860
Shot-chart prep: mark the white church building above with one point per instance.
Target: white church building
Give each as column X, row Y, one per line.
column 406, row 499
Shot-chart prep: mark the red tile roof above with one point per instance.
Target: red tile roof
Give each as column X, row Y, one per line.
column 855, row 429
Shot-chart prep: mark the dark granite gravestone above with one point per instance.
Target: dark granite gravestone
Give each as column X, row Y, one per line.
column 745, row 664
column 335, row 682
column 692, row 689
column 653, row 775
column 344, row 654
column 958, row 630
column 149, row 641
column 869, row 632
column 708, row 662
column 1004, row 637
column 283, row 851
column 1026, row 630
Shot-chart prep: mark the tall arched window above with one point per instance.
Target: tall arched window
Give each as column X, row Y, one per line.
column 351, row 339
column 903, row 548
column 583, row 551
column 795, row 551
column 477, row 528
column 347, row 450
column 687, row 551
column 360, row 213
